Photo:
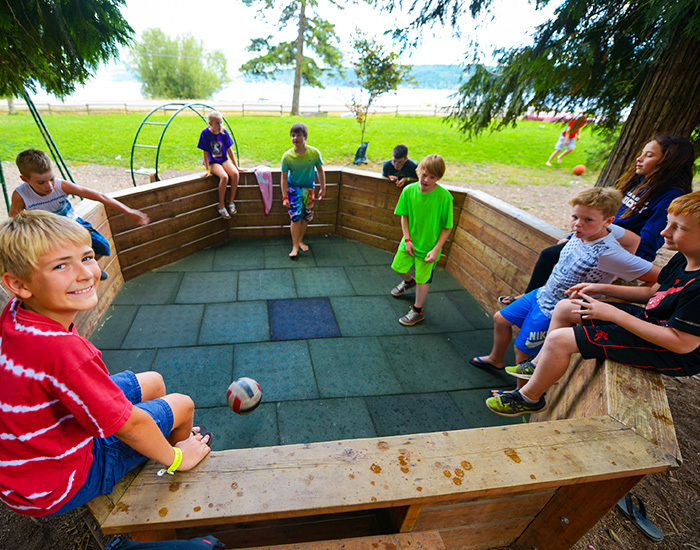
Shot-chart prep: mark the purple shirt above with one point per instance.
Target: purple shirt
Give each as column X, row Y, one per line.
column 215, row 144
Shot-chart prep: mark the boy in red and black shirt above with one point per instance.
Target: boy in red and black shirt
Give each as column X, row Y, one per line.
column 664, row 336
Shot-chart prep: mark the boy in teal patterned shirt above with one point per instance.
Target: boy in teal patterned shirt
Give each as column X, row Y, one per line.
column 299, row 168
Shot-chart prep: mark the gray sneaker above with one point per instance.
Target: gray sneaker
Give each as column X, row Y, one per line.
column 411, row 318
column 402, row 287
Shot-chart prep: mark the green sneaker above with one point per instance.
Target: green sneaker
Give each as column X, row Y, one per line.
column 513, row 404
column 524, row 371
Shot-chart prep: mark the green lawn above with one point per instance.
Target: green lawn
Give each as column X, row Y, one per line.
column 107, row 139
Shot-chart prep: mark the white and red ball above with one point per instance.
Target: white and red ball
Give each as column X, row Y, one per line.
column 244, row 395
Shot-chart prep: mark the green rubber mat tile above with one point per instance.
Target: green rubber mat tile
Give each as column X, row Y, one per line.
column 135, row 360
column 425, row 363
column 164, row 327
column 277, row 257
column 199, row 261
column 473, row 407
column 338, row 254
column 443, row 281
column 114, row 325
column 181, row 366
column 375, row 256
column 283, row 369
column 367, row 316
column 233, row 431
column 415, row 413
column 238, row 256
column 323, row 420
column 470, row 309
column 322, row 281
column 373, row 280
column 149, row 288
column 268, row 284
column 441, row 315
column 234, row 323
column 352, row 367
column 476, row 343
column 202, row 288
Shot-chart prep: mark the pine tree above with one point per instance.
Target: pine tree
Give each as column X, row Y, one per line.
column 57, row 43
column 607, row 57
column 312, row 32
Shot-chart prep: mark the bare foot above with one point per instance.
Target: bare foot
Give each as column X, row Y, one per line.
column 304, row 248
column 548, row 163
column 294, row 253
column 558, row 160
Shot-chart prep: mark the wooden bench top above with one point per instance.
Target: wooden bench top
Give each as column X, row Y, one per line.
column 361, row 474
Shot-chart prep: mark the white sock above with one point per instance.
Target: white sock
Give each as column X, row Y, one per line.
column 527, row 399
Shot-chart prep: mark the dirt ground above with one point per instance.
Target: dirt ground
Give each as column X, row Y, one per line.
column 672, row 498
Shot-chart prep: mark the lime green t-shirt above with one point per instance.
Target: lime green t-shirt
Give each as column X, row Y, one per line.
column 428, row 214
column 301, row 169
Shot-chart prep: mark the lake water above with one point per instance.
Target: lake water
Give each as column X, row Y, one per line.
column 114, row 84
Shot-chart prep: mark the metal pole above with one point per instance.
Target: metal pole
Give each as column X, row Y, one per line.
column 53, row 149
column 4, row 189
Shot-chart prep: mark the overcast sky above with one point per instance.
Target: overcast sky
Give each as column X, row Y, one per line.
column 228, row 25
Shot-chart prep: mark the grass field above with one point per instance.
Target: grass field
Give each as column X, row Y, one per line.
column 107, row 140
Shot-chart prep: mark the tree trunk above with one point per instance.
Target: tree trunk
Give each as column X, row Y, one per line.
column 299, row 58
column 12, row 110
column 669, row 103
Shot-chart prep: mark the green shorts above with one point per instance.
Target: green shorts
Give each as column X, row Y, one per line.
column 403, row 262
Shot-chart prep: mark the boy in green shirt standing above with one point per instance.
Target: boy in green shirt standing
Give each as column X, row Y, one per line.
column 426, row 221
column 301, row 165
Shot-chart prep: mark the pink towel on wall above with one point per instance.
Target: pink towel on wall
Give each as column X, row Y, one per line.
column 264, row 176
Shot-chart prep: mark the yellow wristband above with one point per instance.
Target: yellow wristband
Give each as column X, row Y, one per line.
column 176, row 463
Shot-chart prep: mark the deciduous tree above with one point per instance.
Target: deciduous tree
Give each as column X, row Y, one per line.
column 312, row 32
column 378, row 72
column 177, row 68
column 57, row 43
column 613, row 58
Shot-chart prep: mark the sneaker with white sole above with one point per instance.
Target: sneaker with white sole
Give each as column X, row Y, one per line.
column 402, row 287
column 411, row 318
column 524, row 370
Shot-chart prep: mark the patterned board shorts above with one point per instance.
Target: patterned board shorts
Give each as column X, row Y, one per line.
column 301, row 203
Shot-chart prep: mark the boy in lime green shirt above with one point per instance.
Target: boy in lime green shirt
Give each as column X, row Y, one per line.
column 426, row 221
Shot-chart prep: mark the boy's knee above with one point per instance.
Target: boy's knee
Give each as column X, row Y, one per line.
column 563, row 339
column 180, row 402
column 223, row 178
column 152, row 385
column 500, row 320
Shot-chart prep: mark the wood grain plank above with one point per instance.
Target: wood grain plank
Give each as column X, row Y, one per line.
column 582, row 505
column 172, row 255
column 483, row 536
column 481, row 511
column 291, row 481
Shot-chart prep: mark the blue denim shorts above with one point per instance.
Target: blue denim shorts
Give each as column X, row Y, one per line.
column 112, row 459
column 99, row 244
column 526, row 314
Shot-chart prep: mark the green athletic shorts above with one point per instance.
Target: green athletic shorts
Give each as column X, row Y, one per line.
column 403, row 262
